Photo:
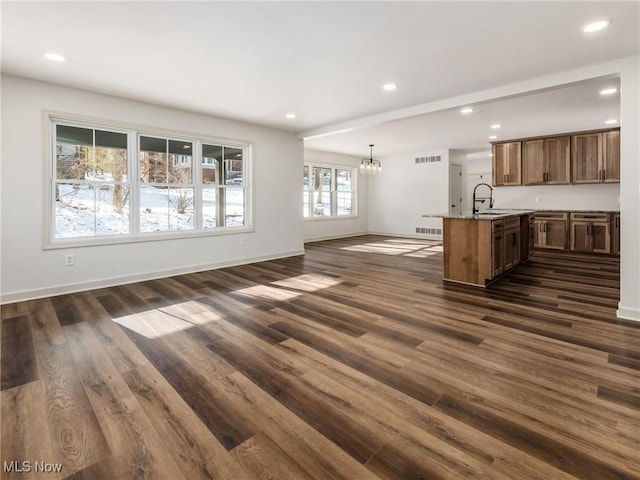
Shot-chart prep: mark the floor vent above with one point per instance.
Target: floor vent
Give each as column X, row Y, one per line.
column 429, row 231
column 435, row 158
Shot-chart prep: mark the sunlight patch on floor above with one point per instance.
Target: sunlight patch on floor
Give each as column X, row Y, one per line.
column 405, row 247
column 310, row 282
column 268, row 293
column 153, row 323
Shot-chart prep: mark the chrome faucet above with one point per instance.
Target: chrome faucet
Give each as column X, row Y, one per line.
column 476, row 200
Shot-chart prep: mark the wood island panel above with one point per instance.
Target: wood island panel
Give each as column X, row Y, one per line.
column 467, row 252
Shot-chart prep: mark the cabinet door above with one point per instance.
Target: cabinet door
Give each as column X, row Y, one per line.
column 581, row 236
column 538, row 234
column 600, row 238
column 615, row 235
column 499, row 161
column 532, row 237
column 512, row 253
column 555, row 234
column 533, row 162
column 611, row 157
column 513, row 166
column 497, row 253
column 587, row 158
column 558, row 161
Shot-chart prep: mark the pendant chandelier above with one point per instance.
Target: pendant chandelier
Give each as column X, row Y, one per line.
column 369, row 165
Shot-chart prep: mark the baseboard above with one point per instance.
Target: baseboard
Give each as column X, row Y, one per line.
column 24, row 295
column 334, row 237
column 628, row 313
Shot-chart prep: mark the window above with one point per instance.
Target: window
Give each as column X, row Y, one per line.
column 120, row 183
column 90, row 188
column 167, row 189
column 328, row 191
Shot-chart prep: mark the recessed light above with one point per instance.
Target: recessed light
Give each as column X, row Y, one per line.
column 466, row 110
column 595, row 26
column 496, row 126
column 54, row 57
column 608, row 91
column 493, row 137
column 389, row 87
column 611, row 122
column 290, row 115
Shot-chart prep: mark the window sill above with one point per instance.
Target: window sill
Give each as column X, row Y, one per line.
column 141, row 238
column 327, row 218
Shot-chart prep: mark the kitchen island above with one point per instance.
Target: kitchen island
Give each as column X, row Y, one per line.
column 482, row 247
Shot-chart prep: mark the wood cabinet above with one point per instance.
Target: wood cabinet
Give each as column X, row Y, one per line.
column 590, row 232
column 550, row 230
column 527, row 237
column 507, row 164
column 497, row 250
column 547, row 161
column 512, row 252
column 611, row 156
column 615, row 234
column 596, row 157
column 580, row 157
column 477, row 251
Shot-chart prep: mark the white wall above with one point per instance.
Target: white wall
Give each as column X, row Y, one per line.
column 323, row 229
column 404, row 191
column 28, row 271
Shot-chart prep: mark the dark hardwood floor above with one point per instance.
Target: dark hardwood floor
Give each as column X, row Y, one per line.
column 353, row 362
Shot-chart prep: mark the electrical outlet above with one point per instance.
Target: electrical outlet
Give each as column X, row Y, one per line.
column 68, row 259
column 242, row 242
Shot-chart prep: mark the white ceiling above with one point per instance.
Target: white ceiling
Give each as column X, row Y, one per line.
column 327, row 61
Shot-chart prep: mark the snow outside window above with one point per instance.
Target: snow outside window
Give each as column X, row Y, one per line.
column 91, row 187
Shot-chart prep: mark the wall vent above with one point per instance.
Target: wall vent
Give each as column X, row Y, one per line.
column 434, row 158
column 429, row 231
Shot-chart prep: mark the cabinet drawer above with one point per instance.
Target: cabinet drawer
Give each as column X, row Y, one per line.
column 591, row 217
column 511, row 222
column 497, row 225
column 551, row 216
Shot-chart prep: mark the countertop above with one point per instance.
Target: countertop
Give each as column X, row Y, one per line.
column 497, row 213
column 487, row 215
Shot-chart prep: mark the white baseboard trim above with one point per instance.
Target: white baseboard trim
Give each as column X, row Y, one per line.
column 628, row 313
column 334, row 237
column 21, row 296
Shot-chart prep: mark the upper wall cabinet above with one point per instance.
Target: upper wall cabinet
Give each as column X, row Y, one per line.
column 581, row 157
column 611, row 156
column 507, row 164
column 546, row 161
column 596, row 157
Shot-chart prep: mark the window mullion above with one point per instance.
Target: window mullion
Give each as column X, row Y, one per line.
column 134, row 181
column 197, row 183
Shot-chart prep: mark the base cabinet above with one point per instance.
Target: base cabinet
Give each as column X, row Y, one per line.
column 497, row 253
column 615, row 234
column 476, row 251
column 550, row 230
column 584, row 232
column 590, row 233
column 512, row 248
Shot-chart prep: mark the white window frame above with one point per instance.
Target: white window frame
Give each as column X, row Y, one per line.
column 334, row 192
column 133, row 131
